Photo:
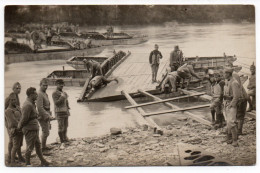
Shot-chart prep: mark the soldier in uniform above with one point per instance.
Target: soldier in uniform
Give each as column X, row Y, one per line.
column 171, row 77
column 186, row 72
column 252, row 89
column 93, row 67
column 43, row 106
column 12, row 117
column 100, row 81
column 154, row 60
column 232, row 93
column 30, row 127
column 61, row 107
column 176, row 58
column 16, row 92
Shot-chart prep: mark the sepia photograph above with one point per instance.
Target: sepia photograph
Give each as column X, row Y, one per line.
column 129, row 85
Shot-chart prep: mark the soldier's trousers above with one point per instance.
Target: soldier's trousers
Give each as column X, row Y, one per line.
column 45, row 125
column 63, row 124
column 17, row 141
column 32, row 140
column 231, row 117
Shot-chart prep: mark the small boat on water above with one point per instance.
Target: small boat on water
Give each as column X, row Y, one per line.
column 79, row 76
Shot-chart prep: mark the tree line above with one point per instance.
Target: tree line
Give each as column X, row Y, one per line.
column 128, row 14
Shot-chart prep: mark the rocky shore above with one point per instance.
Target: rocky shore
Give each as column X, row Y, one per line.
column 141, row 147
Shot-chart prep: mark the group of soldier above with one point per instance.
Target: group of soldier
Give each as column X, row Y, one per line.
column 229, row 97
column 24, row 122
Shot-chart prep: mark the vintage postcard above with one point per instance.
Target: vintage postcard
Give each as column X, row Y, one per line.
column 129, row 85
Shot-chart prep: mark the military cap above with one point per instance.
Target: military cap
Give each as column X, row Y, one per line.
column 59, row 81
column 228, row 70
column 85, row 60
column 176, row 47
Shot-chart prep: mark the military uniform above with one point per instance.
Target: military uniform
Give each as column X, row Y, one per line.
column 30, row 127
column 176, row 59
column 252, row 91
column 43, row 106
column 232, row 94
column 216, row 102
column 154, row 60
column 95, row 68
column 172, row 78
column 12, row 117
column 61, row 107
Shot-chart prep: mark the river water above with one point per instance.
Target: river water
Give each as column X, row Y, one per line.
column 94, row 119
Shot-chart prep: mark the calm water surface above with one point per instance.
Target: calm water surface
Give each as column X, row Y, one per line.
column 93, row 119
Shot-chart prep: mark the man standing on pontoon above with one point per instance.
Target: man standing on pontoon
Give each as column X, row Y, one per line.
column 176, row 58
column 154, row 60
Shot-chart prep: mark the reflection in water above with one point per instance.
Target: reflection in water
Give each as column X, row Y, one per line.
column 92, row 119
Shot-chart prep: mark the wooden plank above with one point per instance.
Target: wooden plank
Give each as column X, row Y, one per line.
column 204, row 97
column 141, row 111
column 83, row 91
column 177, row 110
column 191, row 115
column 162, row 101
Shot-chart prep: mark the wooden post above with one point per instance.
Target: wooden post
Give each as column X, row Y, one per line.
column 151, row 122
column 191, row 115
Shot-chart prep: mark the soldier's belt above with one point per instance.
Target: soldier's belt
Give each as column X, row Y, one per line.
column 229, row 98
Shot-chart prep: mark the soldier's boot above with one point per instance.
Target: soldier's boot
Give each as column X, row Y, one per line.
column 10, row 146
column 228, row 139
column 13, row 154
column 28, row 159
column 234, row 136
column 61, row 137
column 240, row 127
column 20, row 157
column 66, row 139
column 213, row 117
column 40, row 155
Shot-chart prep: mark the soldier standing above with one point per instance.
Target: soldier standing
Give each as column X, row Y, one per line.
column 154, row 60
column 176, row 58
column 251, row 89
column 16, row 92
column 43, row 106
column 30, row 127
column 12, row 117
column 231, row 97
column 61, row 107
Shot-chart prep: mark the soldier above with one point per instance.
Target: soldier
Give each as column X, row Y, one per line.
column 43, row 106
column 171, row 77
column 242, row 104
column 61, row 107
column 93, row 67
column 16, row 92
column 186, row 72
column 12, row 117
column 252, row 89
column 154, row 60
column 99, row 81
column 231, row 97
column 30, row 127
column 176, row 58
column 217, row 101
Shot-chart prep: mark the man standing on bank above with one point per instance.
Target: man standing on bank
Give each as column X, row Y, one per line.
column 30, row 127
column 252, row 89
column 154, row 60
column 12, row 117
column 43, row 106
column 61, row 107
column 16, row 92
column 232, row 93
column 176, row 58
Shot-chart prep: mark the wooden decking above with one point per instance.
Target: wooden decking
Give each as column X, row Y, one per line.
column 133, row 74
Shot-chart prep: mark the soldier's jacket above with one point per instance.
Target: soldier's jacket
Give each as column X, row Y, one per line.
column 12, row 117
column 186, row 69
column 176, row 57
column 252, row 82
column 7, row 101
column 29, row 116
column 216, row 92
column 43, row 105
column 232, row 91
column 155, row 57
column 61, row 104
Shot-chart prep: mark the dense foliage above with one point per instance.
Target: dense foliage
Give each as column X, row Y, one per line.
column 128, row 14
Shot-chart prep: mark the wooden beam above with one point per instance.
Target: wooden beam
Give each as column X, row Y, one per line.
column 141, row 111
column 176, row 110
column 162, row 101
column 204, row 97
column 83, row 91
column 191, row 115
